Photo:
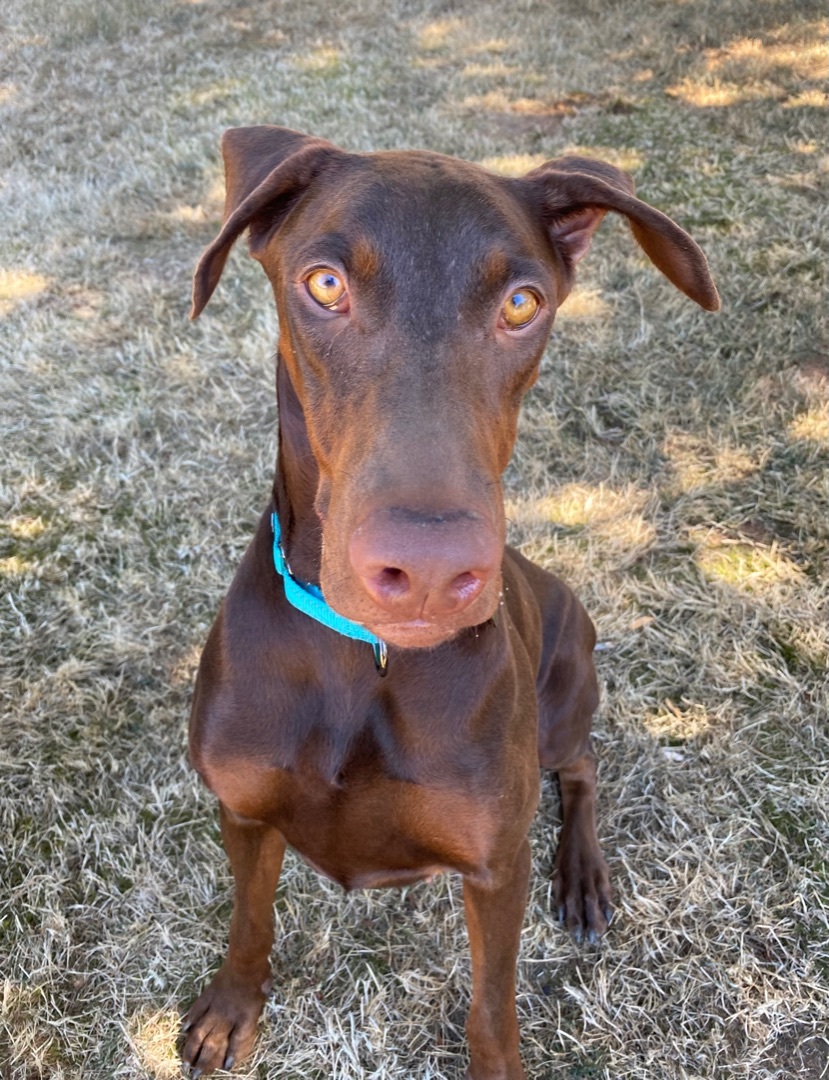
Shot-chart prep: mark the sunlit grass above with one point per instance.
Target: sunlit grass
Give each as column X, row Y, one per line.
column 808, row 99
column 717, row 94
column 577, row 504
column 746, row 567
column 584, row 304
column 494, row 70
column 19, row 285
column 438, row 33
column 26, row 528
column 478, row 46
column 190, row 215
column 629, row 158
column 678, row 723
column 15, row 566
column 613, row 520
column 210, row 94
column 753, row 58
column 153, row 1036
column 323, row 60
column 753, row 69
column 695, row 462
column 812, row 426
column 513, row 164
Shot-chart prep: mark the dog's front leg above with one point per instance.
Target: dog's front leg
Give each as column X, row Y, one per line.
column 581, row 882
column 221, row 1023
column 494, row 917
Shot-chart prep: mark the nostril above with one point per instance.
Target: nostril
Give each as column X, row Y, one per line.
column 466, row 586
column 393, row 581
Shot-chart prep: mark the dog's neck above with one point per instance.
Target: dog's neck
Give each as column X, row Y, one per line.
column 295, row 483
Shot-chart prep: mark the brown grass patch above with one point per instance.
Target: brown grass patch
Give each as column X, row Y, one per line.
column 671, row 465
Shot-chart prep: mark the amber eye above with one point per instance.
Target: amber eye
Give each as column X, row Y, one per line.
column 520, row 308
column 326, row 287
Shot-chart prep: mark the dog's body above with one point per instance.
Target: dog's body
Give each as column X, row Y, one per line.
column 416, row 295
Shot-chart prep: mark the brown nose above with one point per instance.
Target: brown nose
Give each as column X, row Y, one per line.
column 417, row 565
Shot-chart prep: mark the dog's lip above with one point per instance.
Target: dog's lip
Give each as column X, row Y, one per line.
column 416, row 628
column 414, row 633
column 411, row 624
column 425, row 632
column 418, row 633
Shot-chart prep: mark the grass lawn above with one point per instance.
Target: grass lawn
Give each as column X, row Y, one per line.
column 671, row 466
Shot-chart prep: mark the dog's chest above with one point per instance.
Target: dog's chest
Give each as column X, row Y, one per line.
column 373, row 831
column 374, row 799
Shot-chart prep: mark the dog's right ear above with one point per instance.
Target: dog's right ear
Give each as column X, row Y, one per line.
column 265, row 169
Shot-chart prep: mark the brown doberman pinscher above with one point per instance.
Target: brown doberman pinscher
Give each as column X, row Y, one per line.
column 385, row 676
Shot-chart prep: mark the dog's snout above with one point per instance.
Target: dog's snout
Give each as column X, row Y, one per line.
column 424, row 566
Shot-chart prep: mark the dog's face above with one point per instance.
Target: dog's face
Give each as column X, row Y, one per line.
column 415, row 298
column 415, row 295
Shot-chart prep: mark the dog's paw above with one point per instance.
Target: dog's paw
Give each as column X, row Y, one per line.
column 220, row 1026
column 581, row 885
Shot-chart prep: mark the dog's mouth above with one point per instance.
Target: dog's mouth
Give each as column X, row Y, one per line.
column 415, row 634
column 425, row 633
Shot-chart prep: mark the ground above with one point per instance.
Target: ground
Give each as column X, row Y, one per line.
column 671, row 465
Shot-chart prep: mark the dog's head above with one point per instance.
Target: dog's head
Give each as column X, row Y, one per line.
column 415, row 295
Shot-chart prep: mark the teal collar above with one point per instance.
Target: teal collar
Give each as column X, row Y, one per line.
column 309, row 599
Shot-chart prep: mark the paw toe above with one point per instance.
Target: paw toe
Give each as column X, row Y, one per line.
column 582, row 894
column 220, row 1027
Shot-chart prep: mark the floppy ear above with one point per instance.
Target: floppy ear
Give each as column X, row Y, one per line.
column 575, row 193
column 265, row 169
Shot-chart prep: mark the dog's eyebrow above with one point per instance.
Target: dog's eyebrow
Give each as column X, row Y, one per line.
column 329, row 247
column 500, row 267
column 356, row 255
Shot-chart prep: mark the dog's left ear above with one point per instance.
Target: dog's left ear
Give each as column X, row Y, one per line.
column 575, row 193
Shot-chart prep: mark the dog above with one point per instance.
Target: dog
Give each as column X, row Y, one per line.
column 385, row 676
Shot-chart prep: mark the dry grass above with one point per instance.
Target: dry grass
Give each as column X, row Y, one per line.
column 672, row 465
